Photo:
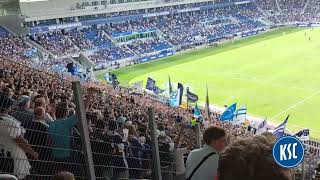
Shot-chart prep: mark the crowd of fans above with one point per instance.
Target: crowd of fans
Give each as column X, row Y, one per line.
column 123, row 27
column 149, row 45
column 15, row 47
column 284, row 11
column 56, row 41
column 40, row 134
column 111, row 53
column 182, row 30
column 38, row 101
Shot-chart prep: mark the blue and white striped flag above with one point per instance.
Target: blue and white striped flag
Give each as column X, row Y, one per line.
column 240, row 115
column 241, row 111
column 279, row 131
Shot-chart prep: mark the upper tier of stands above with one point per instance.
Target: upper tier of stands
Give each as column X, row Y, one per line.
column 140, row 38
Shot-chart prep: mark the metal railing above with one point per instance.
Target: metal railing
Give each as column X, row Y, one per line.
column 67, row 126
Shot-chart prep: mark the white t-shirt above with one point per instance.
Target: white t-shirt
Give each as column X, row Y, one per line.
column 179, row 160
column 10, row 129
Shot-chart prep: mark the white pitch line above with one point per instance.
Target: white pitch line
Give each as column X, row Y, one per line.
column 295, row 105
column 256, row 80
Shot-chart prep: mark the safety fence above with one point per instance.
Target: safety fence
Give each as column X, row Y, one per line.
column 49, row 125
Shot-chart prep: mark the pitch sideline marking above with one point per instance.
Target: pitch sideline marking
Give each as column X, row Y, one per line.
column 295, row 105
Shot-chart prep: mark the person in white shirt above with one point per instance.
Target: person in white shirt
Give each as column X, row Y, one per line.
column 13, row 146
column 180, row 168
column 203, row 163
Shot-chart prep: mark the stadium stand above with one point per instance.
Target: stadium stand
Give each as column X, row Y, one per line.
column 154, row 34
column 40, row 134
column 15, row 47
column 37, row 111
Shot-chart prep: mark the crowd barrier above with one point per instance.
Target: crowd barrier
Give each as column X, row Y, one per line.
column 89, row 144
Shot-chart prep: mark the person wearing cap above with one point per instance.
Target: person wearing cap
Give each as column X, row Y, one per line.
column 22, row 111
column 13, row 145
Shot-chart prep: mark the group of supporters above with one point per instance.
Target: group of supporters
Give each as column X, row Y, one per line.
column 290, row 11
column 178, row 31
column 40, row 134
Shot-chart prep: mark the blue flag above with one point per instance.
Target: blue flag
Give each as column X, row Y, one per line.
column 151, row 83
column 151, row 86
column 197, row 112
column 157, row 90
column 229, row 113
column 191, row 96
column 279, row 131
column 173, row 99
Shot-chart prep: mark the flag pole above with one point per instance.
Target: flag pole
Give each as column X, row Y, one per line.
column 187, row 104
column 207, row 102
column 187, row 99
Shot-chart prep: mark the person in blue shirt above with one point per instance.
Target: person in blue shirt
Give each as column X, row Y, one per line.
column 60, row 130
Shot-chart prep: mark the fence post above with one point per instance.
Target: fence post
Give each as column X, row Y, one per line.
column 303, row 170
column 85, row 140
column 155, row 148
column 198, row 136
column 294, row 173
column 310, row 168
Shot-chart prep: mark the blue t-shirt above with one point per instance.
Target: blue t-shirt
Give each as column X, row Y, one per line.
column 60, row 133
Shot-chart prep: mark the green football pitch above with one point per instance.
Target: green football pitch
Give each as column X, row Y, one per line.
column 274, row 74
